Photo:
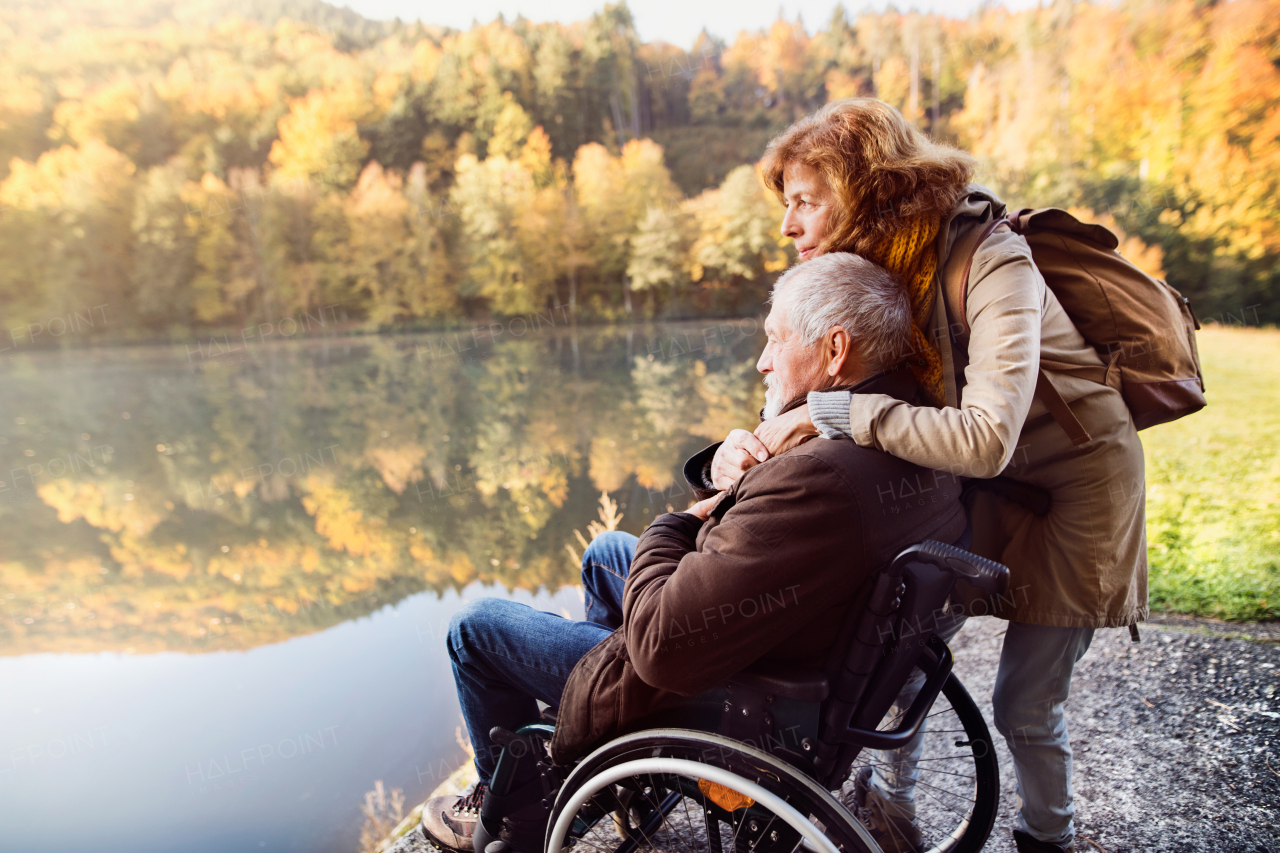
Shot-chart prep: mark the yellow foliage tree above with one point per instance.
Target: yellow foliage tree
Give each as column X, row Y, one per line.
column 75, row 204
column 319, row 139
column 106, row 114
column 737, row 227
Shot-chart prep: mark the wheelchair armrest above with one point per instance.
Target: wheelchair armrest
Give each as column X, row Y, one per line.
column 910, row 720
column 779, row 680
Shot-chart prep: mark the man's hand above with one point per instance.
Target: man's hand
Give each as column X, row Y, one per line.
column 702, row 509
column 780, row 434
column 738, row 453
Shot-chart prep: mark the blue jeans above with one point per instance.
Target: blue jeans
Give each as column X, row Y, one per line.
column 507, row 656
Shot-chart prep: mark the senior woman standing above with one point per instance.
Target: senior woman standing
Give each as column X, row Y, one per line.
column 855, row 176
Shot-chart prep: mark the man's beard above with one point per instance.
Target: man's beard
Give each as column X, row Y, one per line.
column 774, row 397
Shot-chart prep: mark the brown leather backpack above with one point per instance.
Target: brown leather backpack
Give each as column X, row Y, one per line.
column 1143, row 329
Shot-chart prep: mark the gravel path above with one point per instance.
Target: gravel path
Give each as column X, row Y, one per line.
column 1177, row 738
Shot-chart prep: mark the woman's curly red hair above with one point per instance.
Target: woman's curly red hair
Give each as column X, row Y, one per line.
column 882, row 170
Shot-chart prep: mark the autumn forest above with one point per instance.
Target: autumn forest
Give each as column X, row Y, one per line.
column 189, row 167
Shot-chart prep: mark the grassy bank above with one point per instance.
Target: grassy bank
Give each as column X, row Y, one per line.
column 1213, row 486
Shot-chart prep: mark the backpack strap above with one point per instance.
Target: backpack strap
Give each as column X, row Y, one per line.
column 941, row 335
column 955, row 287
column 1108, row 375
column 1060, row 410
column 951, row 300
column 955, row 274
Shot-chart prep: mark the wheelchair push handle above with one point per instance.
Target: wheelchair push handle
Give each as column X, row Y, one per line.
column 988, row 576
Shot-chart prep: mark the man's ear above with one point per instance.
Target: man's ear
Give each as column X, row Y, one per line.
column 839, row 350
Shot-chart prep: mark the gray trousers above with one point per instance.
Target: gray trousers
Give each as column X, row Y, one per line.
column 1032, row 685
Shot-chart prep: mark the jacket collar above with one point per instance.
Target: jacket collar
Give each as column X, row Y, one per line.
column 897, row 382
column 979, row 203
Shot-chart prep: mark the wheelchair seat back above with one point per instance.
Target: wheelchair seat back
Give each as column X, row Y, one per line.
column 909, row 604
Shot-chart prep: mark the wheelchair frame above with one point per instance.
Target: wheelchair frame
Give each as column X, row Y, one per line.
column 805, row 729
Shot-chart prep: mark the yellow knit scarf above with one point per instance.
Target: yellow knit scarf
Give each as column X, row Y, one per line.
column 909, row 254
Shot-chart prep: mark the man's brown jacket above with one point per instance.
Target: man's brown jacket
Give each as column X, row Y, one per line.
column 772, row 575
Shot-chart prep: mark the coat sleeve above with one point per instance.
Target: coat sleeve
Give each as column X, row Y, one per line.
column 978, row 439
column 697, row 471
column 693, row 617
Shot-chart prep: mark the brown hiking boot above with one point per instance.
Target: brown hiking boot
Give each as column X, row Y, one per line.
column 450, row 822
column 892, row 825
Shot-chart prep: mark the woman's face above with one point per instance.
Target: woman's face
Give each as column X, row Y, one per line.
column 809, row 206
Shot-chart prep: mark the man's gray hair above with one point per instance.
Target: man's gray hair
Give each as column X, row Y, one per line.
column 846, row 290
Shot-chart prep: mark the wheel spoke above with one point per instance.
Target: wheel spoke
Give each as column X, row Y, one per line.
column 664, row 812
column 945, row 791
column 649, row 822
column 737, row 827
column 659, row 819
column 595, row 828
column 684, row 801
column 626, row 842
column 950, row 773
column 896, row 765
column 888, row 724
column 933, row 827
column 593, row 845
column 918, row 761
column 629, row 844
column 945, row 805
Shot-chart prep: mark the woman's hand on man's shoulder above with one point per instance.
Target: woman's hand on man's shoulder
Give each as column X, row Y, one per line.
column 783, row 432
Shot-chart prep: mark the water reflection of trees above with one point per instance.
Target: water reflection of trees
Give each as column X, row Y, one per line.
column 162, row 500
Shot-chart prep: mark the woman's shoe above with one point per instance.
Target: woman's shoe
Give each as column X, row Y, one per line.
column 1030, row 844
column 892, row 825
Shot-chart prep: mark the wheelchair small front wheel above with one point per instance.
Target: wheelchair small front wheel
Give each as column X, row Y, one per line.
column 683, row 791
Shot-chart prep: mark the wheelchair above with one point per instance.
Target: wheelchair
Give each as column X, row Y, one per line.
column 766, row 763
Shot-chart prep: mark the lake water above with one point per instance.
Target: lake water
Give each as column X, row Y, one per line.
column 227, row 567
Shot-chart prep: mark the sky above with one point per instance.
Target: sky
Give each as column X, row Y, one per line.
column 675, row 21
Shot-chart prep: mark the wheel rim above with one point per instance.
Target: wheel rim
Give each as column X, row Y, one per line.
column 694, row 771
column 693, row 812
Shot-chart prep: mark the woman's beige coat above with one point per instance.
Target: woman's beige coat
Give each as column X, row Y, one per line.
column 1084, row 564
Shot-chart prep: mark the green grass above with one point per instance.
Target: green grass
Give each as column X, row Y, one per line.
column 1213, row 486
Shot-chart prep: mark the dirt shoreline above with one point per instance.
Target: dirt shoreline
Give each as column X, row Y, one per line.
column 1176, row 738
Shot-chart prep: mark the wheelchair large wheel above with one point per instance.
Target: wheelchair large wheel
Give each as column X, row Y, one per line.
column 682, row 791
column 957, row 792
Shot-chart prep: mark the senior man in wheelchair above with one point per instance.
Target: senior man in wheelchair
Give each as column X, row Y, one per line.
column 769, row 569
